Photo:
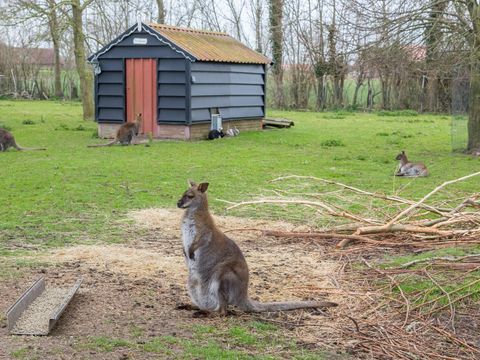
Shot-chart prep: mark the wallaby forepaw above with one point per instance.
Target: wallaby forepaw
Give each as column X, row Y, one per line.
column 200, row 314
column 186, row 306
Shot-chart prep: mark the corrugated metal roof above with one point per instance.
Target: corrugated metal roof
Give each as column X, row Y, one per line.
column 210, row 45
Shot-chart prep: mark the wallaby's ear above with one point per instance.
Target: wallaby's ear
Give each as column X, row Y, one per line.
column 403, row 152
column 191, row 183
column 203, row 187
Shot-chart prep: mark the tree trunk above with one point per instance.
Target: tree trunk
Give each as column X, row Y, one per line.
column 358, row 85
column 474, row 112
column 55, row 35
column 474, row 106
column 258, row 26
column 433, row 40
column 161, row 12
column 84, row 73
column 276, row 33
column 320, row 104
column 369, row 96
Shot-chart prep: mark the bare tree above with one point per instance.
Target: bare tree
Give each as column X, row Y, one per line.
column 276, row 36
column 84, row 73
column 161, row 12
column 257, row 10
column 474, row 109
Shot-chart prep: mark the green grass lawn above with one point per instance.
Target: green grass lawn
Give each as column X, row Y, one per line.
column 72, row 193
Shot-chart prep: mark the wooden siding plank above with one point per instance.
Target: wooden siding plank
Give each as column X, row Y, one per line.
column 111, row 64
column 110, row 77
column 203, row 115
column 241, row 112
column 226, row 89
column 170, row 102
column 171, row 77
column 112, row 115
column 169, row 115
column 110, row 101
column 216, row 67
column 205, row 102
column 171, row 90
column 110, row 89
column 226, row 78
column 172, row 65
column 136, row 52
column 200, row 115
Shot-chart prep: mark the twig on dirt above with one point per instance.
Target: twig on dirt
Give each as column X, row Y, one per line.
column 354, row 322
column 397, row 285
column 454, row 301
column 456, row 339
column 446, row 258
column 450, row 293
column 450, row 303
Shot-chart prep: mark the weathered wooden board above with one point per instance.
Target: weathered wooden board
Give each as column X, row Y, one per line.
column 278, row 123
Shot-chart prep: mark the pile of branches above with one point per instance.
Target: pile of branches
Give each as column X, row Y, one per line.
column 379, row 319
column 380, row 215
column 393, row 324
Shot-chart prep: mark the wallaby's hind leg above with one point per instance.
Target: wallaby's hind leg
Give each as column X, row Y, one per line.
column 233, row 289
column 208, row 296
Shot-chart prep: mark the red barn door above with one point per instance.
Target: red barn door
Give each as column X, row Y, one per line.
column 141, row 94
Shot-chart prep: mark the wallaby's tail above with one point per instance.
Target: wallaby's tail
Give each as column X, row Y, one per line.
column 18, row 147
column 255, row 306
column 99, row 145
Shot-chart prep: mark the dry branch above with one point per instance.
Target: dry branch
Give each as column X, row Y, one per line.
column 328, row 209
column 439, row 211
column 444, row 222
column 438, row 188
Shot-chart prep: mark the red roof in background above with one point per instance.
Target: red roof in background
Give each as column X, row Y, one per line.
column 417, row 52
column 35, row 56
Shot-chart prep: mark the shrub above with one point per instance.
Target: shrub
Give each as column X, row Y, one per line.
column 332, row 143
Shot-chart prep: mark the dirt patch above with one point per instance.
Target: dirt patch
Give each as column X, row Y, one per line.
column 141, row 282
column 277, row 269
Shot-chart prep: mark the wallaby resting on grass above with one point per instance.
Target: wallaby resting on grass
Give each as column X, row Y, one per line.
column 218, row 272
column 126, row 133
column 7, row 140
column 407, row 168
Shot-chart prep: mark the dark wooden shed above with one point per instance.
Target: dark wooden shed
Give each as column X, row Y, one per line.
column 178, row 78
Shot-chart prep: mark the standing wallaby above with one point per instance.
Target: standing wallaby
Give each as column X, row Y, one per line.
column 407, row 168
column 7, row 140
column 218, row 272
column 126, row 133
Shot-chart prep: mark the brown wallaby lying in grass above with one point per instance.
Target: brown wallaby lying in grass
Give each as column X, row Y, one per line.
column 7, row 140
column 125, row 133
column 406, row 168
column 218, row 272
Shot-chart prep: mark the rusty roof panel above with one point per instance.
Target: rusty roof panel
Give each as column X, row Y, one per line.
column 210, row 45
